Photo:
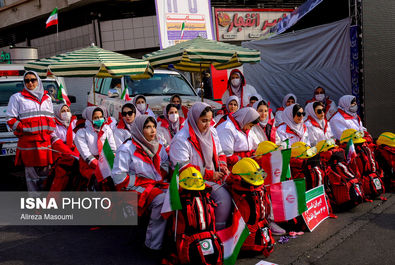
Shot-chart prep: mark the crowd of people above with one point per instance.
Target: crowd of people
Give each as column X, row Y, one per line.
column 211, row 149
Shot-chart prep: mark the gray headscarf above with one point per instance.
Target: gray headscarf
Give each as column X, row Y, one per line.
column 288, row 118
column 38, row 92
column 235, row 98
column 88, row 112
column 150, row 147
column 245, row 115
column 173, row 126
column 285, row 99
column 134, row 103
column 57, row 111
column 205, row 139
column 345, row 104
column 310, row 112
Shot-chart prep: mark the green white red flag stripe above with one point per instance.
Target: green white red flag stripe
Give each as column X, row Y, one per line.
column 288, row 199
column 62, row 95
column 182, row 30
column 350, row 151
column 277, row 166
column 105, row 163
column 125, row 94
column 53, row 18
column 233, row 238
column 172, row 200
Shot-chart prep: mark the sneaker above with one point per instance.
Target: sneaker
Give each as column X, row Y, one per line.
column 276, row 229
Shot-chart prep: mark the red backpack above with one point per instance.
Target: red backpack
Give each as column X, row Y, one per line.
column 385, row 157
column 341, row 185
column 254, row 206
column 310, row 169
column 196, row 238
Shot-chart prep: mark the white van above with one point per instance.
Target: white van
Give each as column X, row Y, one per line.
column 11, row 82
column 157, row 90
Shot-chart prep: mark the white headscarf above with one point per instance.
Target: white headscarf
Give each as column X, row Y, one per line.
column 345, row 104
column 285, row 99
column 310, row 112
column 205, row 139
column 150, row 147
column 134, row 103
column 288, row 118
column 235, row 99
column 38, row 92
column 57, row 111
column 255, row 106
column 245, row 115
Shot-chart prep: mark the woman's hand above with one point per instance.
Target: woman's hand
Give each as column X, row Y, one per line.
column 218, row 176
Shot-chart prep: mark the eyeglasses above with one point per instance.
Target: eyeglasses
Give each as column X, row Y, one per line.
column 130, row 113
column 319, row 111
column 300, row 114
column 27, row 81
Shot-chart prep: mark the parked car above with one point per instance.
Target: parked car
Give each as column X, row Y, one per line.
column 157, row 90
column 11, row 82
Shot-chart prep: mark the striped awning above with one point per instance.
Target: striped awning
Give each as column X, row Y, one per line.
column 92, row 61
column 198, row 54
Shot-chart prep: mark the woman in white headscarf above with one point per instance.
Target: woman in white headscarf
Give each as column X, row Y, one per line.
column 265, row 129
column 238, row 87
column 235, row 140
column 231, row 106
column 90, row 139
column 317, row 125
column 30, row 116
column 169, row 125
column 124, row 125
column 346, row 117
column 288, row 100
column 329, row 106
column 141, row 105
column 197, row 145
column 293, row 128
column 141, row 165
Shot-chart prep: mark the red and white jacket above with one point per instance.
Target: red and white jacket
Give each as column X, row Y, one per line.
column 32, row 122
column 186, row 151
column 121, row 133
column 330, row 107
column 279, row 117
column 342, row 121
column 285, row 132
column 134, row 170
column 164, row 133
column 235, row 142
column 63, row 139
column 316, row 133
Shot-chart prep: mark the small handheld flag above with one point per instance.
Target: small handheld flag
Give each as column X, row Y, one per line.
column 62, row 95
column 53, row 18
column 172, row 200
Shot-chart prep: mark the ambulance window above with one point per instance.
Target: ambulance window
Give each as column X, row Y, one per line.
column 106, row 85
column 98, row 82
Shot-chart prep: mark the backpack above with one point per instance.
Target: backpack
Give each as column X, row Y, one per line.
column 385, row 157
column 310, row 169
column 369, row 173
column 341, row 185
column 196, row 238
column 254, row 206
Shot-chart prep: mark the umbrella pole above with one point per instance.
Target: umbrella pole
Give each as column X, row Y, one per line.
column 201, row 83
column 94, row 92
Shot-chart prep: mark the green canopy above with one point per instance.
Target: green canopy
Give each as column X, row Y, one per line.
column 92, row 61
column 198, row 54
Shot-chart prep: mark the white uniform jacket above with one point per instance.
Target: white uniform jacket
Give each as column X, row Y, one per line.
column 163, row 132
column 248, row 91
column 279, row 117
column 121, row 135
column 258, row 135
column 316, row 133
column 61, row 132
column 342, row 121
column 285, row 132
column 86, row 141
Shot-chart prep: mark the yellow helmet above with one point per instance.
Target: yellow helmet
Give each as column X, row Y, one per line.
column 191, row 179
column 325, row 145
column 249, row 171
column 386, row 138
column 356, row 136
column 302, row 150
column 265, row 148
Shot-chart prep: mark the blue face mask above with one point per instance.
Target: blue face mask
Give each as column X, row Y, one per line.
column 98, row 123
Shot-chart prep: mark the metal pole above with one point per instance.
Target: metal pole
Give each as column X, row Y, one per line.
column 201, row 82
column 94, row 92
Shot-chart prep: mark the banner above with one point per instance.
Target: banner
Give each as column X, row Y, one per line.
column 247, row 23
column 317, row 207
column 182, row 20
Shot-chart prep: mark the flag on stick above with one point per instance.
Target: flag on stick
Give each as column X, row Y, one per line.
column 105, row 163
column 288, row 199
column 62, row 95
column 350, row 151
column 172, row 200
column 182, row 30
column 53, row 18
column 125, row 94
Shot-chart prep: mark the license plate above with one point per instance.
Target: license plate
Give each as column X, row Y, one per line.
column 8, row 151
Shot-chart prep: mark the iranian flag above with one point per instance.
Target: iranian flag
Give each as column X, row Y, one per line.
column 125, row 94
column 288, row 199
column 350, row 151
column 105, row 163
column 172, row 200
column 182, row 30
column 233, row 238
column 62, row 95
column 53, row 18
column 276, row 165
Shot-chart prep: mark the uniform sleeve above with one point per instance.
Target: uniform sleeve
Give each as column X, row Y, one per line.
column 111, row 140
column 123, row 166
column 165, row 162
column 179, row 153
column 337, row 126
column 82, row 146
column 118, row 138
column 332, row 110
column 227, row 141
column 281, row 134
column 278, row 118
column 13, row 116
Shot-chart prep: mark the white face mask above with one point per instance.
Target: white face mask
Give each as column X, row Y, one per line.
column 141, row 107
column 66, row 116
column 236, row 82
column 353, row 109
column 173, row 117
column 320, row 97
